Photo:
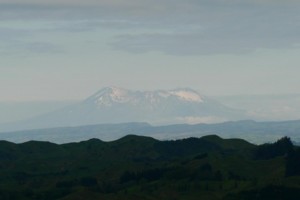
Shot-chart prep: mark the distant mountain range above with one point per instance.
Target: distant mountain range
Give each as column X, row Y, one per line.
column 255, row 132
column 117, row 105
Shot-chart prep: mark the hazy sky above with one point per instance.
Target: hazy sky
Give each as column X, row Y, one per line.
column 69, row 49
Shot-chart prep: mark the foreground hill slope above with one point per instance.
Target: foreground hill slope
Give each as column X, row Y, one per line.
column 136, row 167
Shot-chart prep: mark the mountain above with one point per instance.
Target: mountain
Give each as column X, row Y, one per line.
column 117, row 105
column 142, row 168
column 121, row 105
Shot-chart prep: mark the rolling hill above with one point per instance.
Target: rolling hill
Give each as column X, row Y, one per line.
column 136, row 167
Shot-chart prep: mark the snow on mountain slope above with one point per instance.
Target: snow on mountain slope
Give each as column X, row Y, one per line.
column 187, row 95
column 110, row 95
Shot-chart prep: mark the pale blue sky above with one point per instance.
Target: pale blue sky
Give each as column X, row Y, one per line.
column 60, row 50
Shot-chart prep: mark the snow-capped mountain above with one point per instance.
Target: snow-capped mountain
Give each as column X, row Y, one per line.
column 118, row 105
column 113, row 95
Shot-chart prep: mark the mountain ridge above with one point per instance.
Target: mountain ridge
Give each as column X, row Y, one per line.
column 256, row 132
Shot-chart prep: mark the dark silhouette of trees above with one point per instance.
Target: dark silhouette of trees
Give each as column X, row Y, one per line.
column 88, row 181
column 148, row 175
column 280, row 148
column 293, row 163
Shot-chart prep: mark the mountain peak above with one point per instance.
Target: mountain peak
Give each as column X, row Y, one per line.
column 112, row 89
column 108, row 95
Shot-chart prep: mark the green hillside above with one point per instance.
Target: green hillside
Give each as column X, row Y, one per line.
column 136, row 167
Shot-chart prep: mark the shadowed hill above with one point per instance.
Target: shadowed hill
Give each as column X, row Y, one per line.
column 138, row 167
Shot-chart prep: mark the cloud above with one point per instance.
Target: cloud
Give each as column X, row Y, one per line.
column 191, row 27
column 93, row 25
column 74, row 9
column 18, row 47
column 200, row 120
column 12, row 33
column 186, row 44
column 235, row 33
column 15, row 41
column 134, row 9
column 42, row 48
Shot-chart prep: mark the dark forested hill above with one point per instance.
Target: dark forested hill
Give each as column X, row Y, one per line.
column 136, row 167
